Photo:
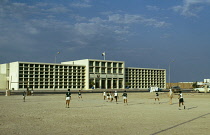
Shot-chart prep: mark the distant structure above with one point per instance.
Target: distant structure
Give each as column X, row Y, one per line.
column 79, row 74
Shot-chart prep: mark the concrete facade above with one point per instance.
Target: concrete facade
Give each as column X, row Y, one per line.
column 39, row 76
column 105, row 74
column 79, row 74
column 141, row 78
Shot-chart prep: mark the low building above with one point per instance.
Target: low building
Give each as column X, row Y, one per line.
column 182, row 85
column 79, row 74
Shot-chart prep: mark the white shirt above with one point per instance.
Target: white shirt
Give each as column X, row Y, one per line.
column 181, row 96
column 170, row 92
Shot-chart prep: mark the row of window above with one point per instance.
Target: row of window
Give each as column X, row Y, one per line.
column 134, row 75
column 147, row 70
column 44, row 81
column 146, row 83
column 51, row 76
column 105, row 64
column 145, row 74
column 151, row 72
column 105, row 70
column 49, row 87
column 141, row 77
column 49, row 66
column 143, row 87
column 53, row 71
column 49, row 73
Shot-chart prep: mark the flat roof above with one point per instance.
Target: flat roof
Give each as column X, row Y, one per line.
column 145, row 68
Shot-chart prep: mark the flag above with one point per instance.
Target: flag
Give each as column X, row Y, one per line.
column 103, row 54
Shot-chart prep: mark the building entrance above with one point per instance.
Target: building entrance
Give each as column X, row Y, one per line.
column 103, row 84
column 109, row 84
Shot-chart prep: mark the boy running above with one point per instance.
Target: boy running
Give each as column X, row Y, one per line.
column 181, row 100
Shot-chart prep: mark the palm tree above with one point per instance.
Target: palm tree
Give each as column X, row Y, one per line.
column 195, row 85
column 127, row 84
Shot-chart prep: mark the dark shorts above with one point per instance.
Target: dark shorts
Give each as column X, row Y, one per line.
column 181, row 100
column 115, row 96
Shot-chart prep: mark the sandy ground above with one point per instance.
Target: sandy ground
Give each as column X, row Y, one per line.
column 47, row 114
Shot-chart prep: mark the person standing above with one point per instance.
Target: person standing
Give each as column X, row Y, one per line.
column 24, row 96
column 157, row 97
column 104, row 94
column 181, row 100
column 108, row 96
column 32, row 92
column 125, row 97
column 68, row 98
column 115, row 95
column 111, row 96
column 79, row 94
column 170, row 94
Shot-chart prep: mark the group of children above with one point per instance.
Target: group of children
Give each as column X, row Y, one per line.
column 110, row 96
column 107, row 95
column 171, row 94
column 68, row 97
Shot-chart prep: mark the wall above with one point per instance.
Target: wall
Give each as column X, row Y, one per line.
column 181, row 85
column 3, row 77
column 14, row 75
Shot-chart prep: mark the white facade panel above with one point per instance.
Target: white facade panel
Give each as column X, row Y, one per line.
column 14, row 76
column 3, row 82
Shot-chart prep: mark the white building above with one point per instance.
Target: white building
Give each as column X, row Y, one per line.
column 79, row 74
column 105, row 74
column 141, row 78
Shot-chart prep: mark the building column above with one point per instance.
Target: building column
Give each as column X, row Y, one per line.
column 100, row 83
column 118, row 83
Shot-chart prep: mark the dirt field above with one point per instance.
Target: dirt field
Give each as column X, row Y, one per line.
column 47, row 114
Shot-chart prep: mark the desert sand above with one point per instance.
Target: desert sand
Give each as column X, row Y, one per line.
column 47, row 114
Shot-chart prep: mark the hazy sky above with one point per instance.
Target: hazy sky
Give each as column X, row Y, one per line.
column 143, row 33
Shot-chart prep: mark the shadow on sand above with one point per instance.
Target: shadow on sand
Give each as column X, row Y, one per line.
column 180, row 124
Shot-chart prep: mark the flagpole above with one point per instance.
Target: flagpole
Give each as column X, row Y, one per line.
column 104, row 55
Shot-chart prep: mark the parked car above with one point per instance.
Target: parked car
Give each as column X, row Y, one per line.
column 202, row 89
column 154, row 89
column 176, row 89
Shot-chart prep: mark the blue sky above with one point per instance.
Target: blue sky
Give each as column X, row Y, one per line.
column 143, row 33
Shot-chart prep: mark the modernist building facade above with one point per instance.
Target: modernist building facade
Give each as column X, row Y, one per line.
column 140, row 78
column 103, row 74
column 79, row 74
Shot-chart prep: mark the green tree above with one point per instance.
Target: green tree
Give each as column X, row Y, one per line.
column 92, row 84
column 195, row 85
column 127, row 84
